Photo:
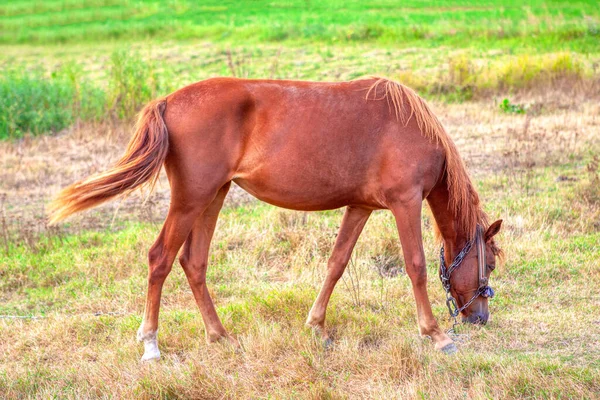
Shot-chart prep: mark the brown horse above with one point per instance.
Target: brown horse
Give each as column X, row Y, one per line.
column 366, row 144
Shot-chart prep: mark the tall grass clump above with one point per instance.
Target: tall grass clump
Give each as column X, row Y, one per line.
column 133, row 82
column 526, row 71
column 465, row 78
column 32, row 101
column 35, row 101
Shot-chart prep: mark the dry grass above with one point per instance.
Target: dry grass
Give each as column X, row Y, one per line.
column 543, row 340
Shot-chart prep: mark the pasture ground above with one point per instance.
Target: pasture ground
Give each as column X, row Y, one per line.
column 73, row 76
column 267, row 264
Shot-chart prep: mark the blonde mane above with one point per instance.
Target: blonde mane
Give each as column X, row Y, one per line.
column 406, row 104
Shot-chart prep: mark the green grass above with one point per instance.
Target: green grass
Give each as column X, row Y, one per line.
column 538, row 24
column 127, row 53
column 67, row 63
column 32, row 102
column 266, row 265
column 117, row 83
column 36, row 101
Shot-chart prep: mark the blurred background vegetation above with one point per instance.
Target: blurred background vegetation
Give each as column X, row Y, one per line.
column 64, row 61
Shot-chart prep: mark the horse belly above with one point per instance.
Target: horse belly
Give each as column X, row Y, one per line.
column 299, row 191
column 305, row 181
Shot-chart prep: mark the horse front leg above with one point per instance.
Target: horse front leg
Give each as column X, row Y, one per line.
column 408, row 222
column 352, row 224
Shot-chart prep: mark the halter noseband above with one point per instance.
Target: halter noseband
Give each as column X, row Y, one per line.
column 483, row 290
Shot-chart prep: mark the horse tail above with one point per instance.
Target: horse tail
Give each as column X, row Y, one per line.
column 140, row 165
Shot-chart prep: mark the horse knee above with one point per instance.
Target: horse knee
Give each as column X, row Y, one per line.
column 417, row 270
column 336, row 267
column 195, row 273
column 184, row 259
column 159, row 272
column 158, row 265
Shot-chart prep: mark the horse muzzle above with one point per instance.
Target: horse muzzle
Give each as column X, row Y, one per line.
column 477, row 318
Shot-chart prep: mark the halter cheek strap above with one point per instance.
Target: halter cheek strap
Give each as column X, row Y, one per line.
column 482, row 290
column 483, row 280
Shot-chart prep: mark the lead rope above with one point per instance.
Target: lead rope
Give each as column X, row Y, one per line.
column 94, row 314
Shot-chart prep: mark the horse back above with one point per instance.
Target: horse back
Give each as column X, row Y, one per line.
column 299, row 145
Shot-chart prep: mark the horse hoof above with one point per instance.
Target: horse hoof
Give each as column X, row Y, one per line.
column 449, row 349
column 151, row 351
column 328, row 344
column 233, row 344
column 150, row 356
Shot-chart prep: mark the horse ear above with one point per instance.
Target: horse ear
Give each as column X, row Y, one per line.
column 492, row 230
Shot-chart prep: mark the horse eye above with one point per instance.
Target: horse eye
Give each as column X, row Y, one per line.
column 490, row 267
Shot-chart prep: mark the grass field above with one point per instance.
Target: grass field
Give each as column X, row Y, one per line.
column 551, row 24
column 74, row 74
column 65, row 61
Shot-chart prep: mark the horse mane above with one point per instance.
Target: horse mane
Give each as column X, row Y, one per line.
column 406, row 104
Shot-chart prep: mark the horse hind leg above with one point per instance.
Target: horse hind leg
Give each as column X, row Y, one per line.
column 160, row 260
column 176, row 229
column 352, row 225
column 194, row 261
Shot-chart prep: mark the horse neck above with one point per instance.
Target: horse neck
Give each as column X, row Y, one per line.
column 453, row 237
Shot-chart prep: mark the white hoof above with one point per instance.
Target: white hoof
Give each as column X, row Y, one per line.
column 151, row 352
column 150, row 340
